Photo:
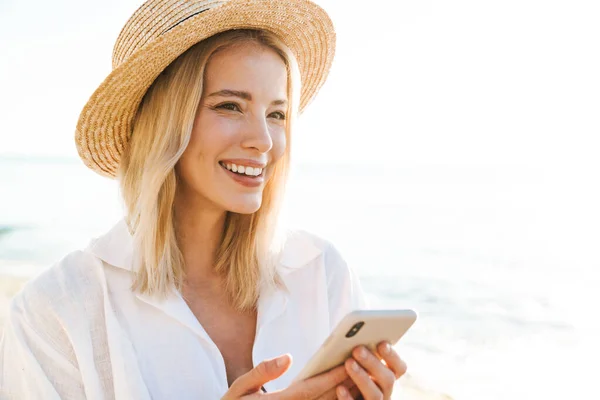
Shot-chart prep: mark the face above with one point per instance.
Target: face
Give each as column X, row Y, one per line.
column 239, row 130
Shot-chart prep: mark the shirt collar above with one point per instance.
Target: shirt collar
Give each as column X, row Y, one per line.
column 116, row 248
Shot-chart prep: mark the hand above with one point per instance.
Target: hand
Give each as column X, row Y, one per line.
column 374, row 380
column 319, row 387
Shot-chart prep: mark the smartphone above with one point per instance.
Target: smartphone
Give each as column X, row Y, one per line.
column 360, row 327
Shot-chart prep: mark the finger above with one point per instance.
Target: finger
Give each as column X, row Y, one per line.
column 363, row 381
column 351, row 392
column 392, row 359
column 328, row 395
column 355, row 393
column 264, row 372
column 343, row 393
column 380, row 373
column 316, row 386
column 331, row 394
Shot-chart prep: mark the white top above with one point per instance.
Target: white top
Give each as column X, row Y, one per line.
column 77, row 330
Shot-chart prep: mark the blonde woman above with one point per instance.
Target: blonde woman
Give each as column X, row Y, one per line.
column 196, row 294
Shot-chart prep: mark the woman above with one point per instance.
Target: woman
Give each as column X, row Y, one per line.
column 196, row 294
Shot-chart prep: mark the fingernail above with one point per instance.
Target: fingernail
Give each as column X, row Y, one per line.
column 281, row 361
column 342, row 392
column 387, row 348
column 362, row 353
column 354, row 366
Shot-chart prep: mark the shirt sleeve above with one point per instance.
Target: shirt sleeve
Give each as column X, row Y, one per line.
column 344, row 288
column 36, row 358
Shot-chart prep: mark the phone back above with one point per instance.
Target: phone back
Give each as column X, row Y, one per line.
column 361, row 327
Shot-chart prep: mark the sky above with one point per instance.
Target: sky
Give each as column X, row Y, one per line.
column 415, row 82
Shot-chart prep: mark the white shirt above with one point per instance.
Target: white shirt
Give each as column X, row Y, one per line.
column 77, row 330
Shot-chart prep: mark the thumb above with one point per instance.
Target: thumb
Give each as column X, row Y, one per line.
column 264, row 372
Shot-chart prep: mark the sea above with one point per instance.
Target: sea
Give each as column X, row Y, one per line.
column 500, row 261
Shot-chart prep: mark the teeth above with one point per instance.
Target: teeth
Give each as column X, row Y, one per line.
column 241, row 169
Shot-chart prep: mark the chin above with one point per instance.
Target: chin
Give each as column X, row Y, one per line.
column 244, row 207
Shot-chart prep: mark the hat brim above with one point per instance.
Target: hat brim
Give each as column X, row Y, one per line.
column 105, row 123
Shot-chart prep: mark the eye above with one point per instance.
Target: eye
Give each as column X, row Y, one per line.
column 228, row 106
column 278, row 115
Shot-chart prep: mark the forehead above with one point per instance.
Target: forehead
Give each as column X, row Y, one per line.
column 248, row 66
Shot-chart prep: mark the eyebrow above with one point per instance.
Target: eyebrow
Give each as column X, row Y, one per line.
column 243, row 95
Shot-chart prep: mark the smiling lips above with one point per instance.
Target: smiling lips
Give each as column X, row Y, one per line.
column 243, row 173
column 242, row 169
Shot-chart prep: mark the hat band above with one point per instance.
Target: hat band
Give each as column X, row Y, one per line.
column 186, row 18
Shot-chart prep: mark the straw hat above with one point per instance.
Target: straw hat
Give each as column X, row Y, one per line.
column 161, row 30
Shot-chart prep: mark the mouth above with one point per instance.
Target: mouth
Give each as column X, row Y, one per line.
column 243, row 174
column 242, row 170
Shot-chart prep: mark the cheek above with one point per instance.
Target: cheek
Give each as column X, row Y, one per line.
column 279, row 145
column 212, row 136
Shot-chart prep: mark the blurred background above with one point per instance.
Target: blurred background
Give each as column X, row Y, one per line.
column 451, row 157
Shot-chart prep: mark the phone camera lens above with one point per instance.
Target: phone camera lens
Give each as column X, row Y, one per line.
column 354, row 330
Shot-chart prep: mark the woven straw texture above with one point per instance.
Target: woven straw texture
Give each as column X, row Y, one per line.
column 161, row 30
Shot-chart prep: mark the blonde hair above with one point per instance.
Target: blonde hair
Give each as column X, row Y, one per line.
column 250, row 244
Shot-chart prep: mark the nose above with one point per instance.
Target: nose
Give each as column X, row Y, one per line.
column 258, row 135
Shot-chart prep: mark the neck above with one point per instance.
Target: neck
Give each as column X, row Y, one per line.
column 199, row 231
